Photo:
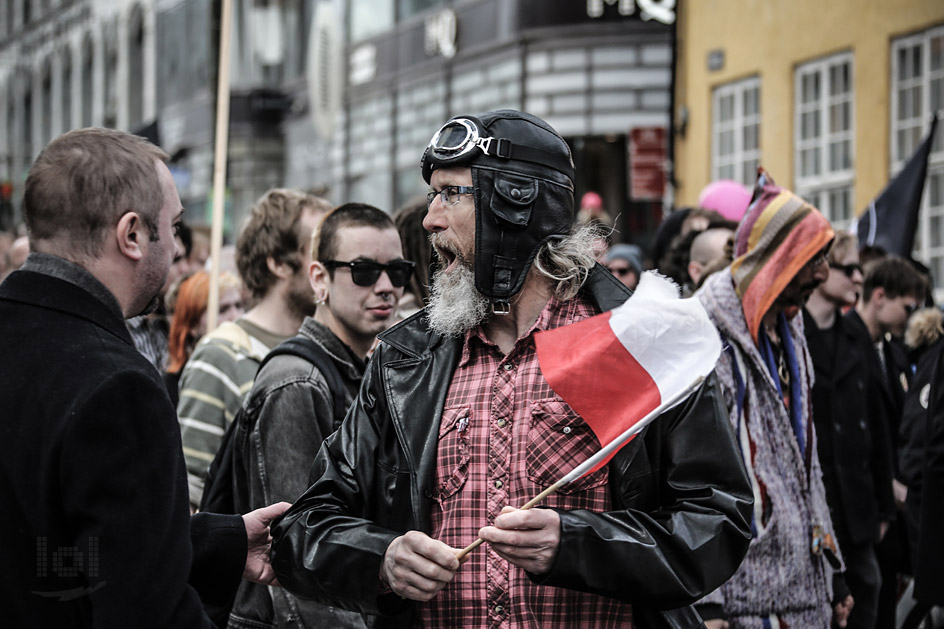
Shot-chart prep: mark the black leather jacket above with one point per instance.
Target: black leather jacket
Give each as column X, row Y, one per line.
column 683, row 502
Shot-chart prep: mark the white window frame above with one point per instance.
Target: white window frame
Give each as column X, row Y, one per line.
column 931, row 217
column 822, row 187
column 739, row 156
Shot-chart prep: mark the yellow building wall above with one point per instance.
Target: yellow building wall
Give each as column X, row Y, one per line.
column 768, row 39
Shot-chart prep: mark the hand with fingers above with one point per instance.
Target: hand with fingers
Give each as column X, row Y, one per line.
column 417, row 567
column 527, row 538
column 258, row 568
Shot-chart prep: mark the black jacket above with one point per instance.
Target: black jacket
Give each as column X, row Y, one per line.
column 853, row 445
column 681, row 529
column 96, row 526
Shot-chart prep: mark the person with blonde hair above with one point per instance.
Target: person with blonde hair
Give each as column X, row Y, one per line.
column 189, row 323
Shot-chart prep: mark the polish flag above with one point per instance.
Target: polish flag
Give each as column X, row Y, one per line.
column 621, row 369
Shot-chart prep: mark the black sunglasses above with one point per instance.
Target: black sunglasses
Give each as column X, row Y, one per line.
column 367, row 272
column 848, row 269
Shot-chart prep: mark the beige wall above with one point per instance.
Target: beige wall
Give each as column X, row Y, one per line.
column 768, row 38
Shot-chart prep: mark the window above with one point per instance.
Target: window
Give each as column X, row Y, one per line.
column 66, row 90
column 735, row 145
column 136, row 70
column 370, row 17
column 823, row 128
column 917, row 91
column 87, row 81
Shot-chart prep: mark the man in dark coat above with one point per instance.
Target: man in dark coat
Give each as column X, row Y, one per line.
column 891, row 291
column 455, row 426
column 96, row 527
column 850, row 428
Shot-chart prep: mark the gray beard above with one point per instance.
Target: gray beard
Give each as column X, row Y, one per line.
column 455, row 305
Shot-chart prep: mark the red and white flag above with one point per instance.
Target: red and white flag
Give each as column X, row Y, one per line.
column 621, row 369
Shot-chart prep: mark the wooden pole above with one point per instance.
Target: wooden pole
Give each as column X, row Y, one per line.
column 219, row 163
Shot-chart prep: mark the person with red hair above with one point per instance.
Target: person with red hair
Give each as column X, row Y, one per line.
column 190, row 320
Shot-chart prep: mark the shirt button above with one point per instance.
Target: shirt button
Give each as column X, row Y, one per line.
column 501, row 423
column 498, row 484
column 566, row 430
column 499, row 609
column 508, row 367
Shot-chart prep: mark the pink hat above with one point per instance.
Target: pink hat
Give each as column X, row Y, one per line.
column 591, row 201
column 728, row 198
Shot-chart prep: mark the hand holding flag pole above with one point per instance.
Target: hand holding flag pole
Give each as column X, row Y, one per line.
column 621, row 369
column 603, row 455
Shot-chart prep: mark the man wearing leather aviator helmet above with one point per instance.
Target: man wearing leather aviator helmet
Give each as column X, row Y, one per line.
column 455, row 425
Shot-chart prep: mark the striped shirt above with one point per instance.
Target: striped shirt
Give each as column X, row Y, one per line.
column 213, row 385
column 504, row 437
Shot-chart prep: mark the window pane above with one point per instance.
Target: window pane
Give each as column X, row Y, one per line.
column 936, row 226
column 726, row 107
column 839, row 79
column 726, row 172
column 726, row 143
column 750, row 137
column 751, row 102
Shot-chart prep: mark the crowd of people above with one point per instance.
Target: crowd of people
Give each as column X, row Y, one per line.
column 372, row 401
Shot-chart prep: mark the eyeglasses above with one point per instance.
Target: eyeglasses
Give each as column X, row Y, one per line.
column 449, row 195
column 367, row 272
column 848, row 269
column 816, row 260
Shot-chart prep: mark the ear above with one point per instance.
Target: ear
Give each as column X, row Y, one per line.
column 318, row 278
column 280, row 270
column 130, row 233
column 694, row 271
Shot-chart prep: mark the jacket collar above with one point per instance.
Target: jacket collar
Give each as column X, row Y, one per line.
column 48, row 291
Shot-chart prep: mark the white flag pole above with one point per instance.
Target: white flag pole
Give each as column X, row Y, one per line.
column 604, row 452
column 219, row 163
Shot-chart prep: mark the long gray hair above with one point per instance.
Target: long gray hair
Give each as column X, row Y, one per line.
column 567, row 262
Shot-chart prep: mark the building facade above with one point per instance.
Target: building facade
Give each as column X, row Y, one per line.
column 830, row 97
column 66, row 64
column 341, row 97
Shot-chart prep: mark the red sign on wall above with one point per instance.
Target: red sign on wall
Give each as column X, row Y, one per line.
column 647, row 159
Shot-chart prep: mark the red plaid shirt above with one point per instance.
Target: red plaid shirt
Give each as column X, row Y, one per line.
column 504, row 437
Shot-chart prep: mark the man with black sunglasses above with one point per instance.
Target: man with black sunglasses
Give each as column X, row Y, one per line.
column 850, row 428
column 357, row 273
column 455, row 428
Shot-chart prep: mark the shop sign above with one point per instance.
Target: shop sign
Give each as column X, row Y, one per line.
column 647, row 162
column 659, row 10
column 440, row 34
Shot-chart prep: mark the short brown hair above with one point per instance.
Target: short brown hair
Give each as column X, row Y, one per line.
column 271, row 230
column 87, row 179
column 896, row 276
column 324, row 241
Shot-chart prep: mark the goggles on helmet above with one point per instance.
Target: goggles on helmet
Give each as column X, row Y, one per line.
column 456, row 141
column 457, row 138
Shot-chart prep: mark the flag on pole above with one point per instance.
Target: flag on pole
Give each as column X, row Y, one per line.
column 891, row 219
column 621, row 369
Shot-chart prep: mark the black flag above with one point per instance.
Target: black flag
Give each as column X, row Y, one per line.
column 891, row 219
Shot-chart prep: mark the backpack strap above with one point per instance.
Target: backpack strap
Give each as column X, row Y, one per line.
column 305, row 348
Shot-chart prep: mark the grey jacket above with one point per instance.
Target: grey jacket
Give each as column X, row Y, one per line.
column 288, row 413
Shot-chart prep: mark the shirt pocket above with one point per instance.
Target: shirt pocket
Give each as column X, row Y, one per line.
column 558, row 441
column 452, row 467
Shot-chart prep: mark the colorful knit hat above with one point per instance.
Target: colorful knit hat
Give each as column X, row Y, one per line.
column 779, row 234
